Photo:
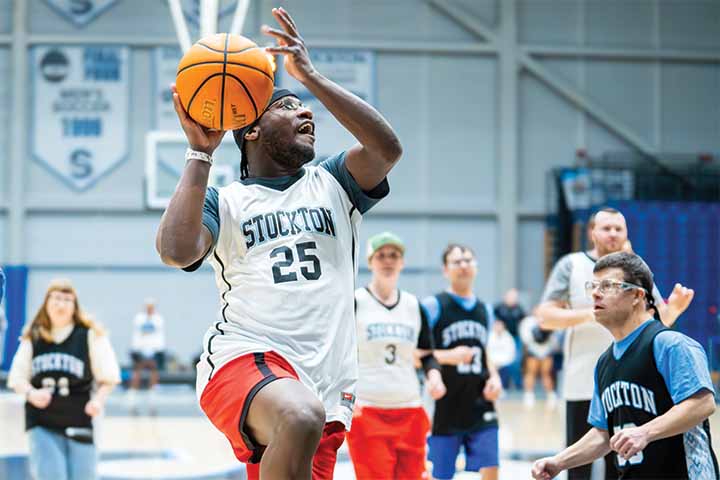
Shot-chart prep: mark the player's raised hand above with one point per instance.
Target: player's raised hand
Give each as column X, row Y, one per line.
column 290, row 44
column 545, row 468
column 200, row 138
column 680, row 299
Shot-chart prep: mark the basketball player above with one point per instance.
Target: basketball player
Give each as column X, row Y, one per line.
column 652, row 393
column 564, row 305
column 460, row 324
column 390, row 425
column 65, row 368
column 278, row 372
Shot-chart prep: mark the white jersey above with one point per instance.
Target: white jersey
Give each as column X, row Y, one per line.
column 148, row 334
column 584, row 343
column 387, row 339
column 285, row 261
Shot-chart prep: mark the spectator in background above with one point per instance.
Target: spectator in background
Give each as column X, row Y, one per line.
column 65, row 368
column 147, row 350
column 511, row 313
column 502, row 350
column 540, row 345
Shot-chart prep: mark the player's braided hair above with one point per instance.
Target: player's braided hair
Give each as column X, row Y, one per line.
column 239, row 134
column 635, row 271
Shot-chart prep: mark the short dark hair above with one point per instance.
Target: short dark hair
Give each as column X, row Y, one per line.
column 635, row 271
column 452, row 246
column 591, row 218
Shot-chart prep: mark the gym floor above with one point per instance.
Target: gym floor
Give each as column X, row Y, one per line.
column 173, row 440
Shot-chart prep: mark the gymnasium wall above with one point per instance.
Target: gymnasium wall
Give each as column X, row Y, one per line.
column 443, row 101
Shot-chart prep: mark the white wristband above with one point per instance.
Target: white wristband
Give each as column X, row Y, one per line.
column 191, row 154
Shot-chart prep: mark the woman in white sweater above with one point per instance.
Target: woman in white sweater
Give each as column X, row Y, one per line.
column 65, row 368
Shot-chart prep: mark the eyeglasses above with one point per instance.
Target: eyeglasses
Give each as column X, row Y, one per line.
column 470, row 262
column 389, row 256
column 288, row 104
column 608, row 286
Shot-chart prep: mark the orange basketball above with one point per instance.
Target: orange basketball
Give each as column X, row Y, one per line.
column 225, row 81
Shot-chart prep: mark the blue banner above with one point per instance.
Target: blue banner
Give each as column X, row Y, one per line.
column 16, row 277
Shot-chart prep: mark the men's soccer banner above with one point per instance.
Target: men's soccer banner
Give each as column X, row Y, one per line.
column 352, row 69
column 80, row 101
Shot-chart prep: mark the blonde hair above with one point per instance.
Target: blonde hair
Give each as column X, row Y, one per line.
column 41, row 327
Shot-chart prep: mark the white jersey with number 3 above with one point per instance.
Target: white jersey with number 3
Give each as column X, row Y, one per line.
column 387, row 339
column 285, row 263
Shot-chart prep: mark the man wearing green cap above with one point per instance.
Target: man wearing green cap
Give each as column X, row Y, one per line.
column 278, row 372
column 389, row 424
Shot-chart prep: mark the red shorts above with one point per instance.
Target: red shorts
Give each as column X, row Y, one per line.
column 389, row 443
column 226, row 401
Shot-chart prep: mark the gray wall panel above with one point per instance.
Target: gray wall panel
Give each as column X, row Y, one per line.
column 691, row 112
column 6, row 7
column 548, row 132
column 531, row 269
column 463, row 130
column 5, row 108
column 615, row 23
column 86, row 239
column 689, row 24
column 549, row 21
column 399, row 20
column 624, row 90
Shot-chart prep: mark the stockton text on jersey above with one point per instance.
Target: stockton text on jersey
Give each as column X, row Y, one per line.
column 284, row 223
column 391, row 330
column 61, row 362
column 464, row 329
column 628, row 394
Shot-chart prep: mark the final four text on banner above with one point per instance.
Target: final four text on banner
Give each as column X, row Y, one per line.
column 80, row 110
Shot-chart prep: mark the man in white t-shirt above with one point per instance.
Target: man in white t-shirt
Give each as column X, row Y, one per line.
column 147, row 347
column 565, row 305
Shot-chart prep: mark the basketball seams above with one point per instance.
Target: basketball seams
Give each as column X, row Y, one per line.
column 218, row 62
column 222, row 88
column 226, row 51
column 210, row 77
column 247, row 92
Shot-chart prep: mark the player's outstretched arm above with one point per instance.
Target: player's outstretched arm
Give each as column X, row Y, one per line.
column 679, row 419
column 181, row 238
column 591, row 446
column 378, row 148
column 554, row 316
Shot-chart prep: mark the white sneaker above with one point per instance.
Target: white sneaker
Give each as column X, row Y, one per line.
column 529, row 399
column 551, row 402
